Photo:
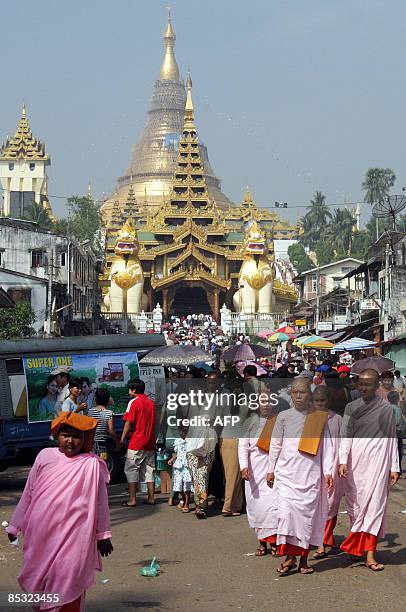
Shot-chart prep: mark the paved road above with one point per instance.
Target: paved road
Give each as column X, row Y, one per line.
column 205, row 564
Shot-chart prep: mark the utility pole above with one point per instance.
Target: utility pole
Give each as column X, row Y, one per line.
column 49, row 293
column 317, row 299
column 386, row 313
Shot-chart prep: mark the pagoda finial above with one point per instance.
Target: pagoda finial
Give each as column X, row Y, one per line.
column 23, row 111
column 89, row 190
column 189, row 124
column 169, row 67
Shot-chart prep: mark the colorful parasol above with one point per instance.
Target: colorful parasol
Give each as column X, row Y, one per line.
column 287, row 329
column 278, row 337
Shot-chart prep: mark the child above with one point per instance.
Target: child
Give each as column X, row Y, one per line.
column 71, row 404
column 105, row 423
column 63, row 515
column 181, row 478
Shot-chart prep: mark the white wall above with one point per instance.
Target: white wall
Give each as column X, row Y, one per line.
column 38, row 294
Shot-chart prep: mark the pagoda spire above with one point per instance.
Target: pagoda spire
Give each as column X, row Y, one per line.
column 169, row 67
column 189, row 122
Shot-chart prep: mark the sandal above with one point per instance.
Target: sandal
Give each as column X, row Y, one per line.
column 283, row 569
column 181, row 504
column 274, row 550
column 375, row 567
column 200, row 514
column 186, row 509
column 261, row 551
column 306, row 570
column 320, row 555
column 127, row 505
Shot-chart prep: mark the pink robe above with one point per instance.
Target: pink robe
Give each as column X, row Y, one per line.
column 334, row 499
column 257, row 493
column 301, row 505
column 369, row 449
column 62, row 513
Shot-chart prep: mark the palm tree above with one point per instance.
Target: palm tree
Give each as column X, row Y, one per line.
column 318, row 210
column 377, row 183
column 314, row 221
column 37, row 213
column 342, row 227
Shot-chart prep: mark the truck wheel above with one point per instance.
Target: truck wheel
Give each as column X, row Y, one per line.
column 115, row 465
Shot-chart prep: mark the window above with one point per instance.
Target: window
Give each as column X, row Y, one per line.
column 313, row 283
column 37, row 259
column 32, row 166
column 63, row 259
column 11, row 166
column 1, row 257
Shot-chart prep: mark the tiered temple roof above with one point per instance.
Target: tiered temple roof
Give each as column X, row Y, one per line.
column 23, row 145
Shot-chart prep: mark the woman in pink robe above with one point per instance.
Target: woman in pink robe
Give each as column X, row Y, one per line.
column 63, row 515
column 322, row 401
column 254, row 467
column 297, row 478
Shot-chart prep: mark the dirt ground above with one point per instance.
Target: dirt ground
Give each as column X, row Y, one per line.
column 208, row 565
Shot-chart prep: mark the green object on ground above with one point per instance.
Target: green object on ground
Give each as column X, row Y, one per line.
column 150, row 570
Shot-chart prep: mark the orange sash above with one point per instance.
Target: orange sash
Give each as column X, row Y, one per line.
column 312, row 432
column 264, row 440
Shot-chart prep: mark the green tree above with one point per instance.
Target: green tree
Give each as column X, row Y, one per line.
column 377, row 183
column 37, row 213
column 341, row 230
column 325, row 252
column 360, row 244
column 16, row 322
column 84, row 221
column 315, row 220
column 299, row 258
column 376, row 226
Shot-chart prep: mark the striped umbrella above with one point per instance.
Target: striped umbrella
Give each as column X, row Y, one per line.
column 306, row 339
column 354, row 344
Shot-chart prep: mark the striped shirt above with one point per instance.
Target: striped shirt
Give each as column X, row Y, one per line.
column 102, row 417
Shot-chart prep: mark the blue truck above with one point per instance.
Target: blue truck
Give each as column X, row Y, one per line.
column 19, row 437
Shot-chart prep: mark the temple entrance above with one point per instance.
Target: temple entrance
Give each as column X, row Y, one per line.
column 190, row 300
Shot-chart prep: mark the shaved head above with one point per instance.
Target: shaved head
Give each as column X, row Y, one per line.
column 303, row 382
column 370, row 373
column 301, row 394
column 368, row 384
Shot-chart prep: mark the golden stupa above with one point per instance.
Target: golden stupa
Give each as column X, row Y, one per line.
column 154, row 156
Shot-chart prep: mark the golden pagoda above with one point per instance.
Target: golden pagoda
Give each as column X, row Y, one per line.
column 23, row 174
column 195, row 255
column 154, row 156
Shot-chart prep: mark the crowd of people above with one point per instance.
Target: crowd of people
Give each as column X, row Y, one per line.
column 289, row 462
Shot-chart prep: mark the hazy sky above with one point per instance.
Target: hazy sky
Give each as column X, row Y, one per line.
column 291, row 95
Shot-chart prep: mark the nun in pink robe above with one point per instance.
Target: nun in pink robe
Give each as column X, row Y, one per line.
column 62, row 514
column 334, row 498
column 300, row 501
column 322, row 398
column 257, row 493
column 369, row 450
